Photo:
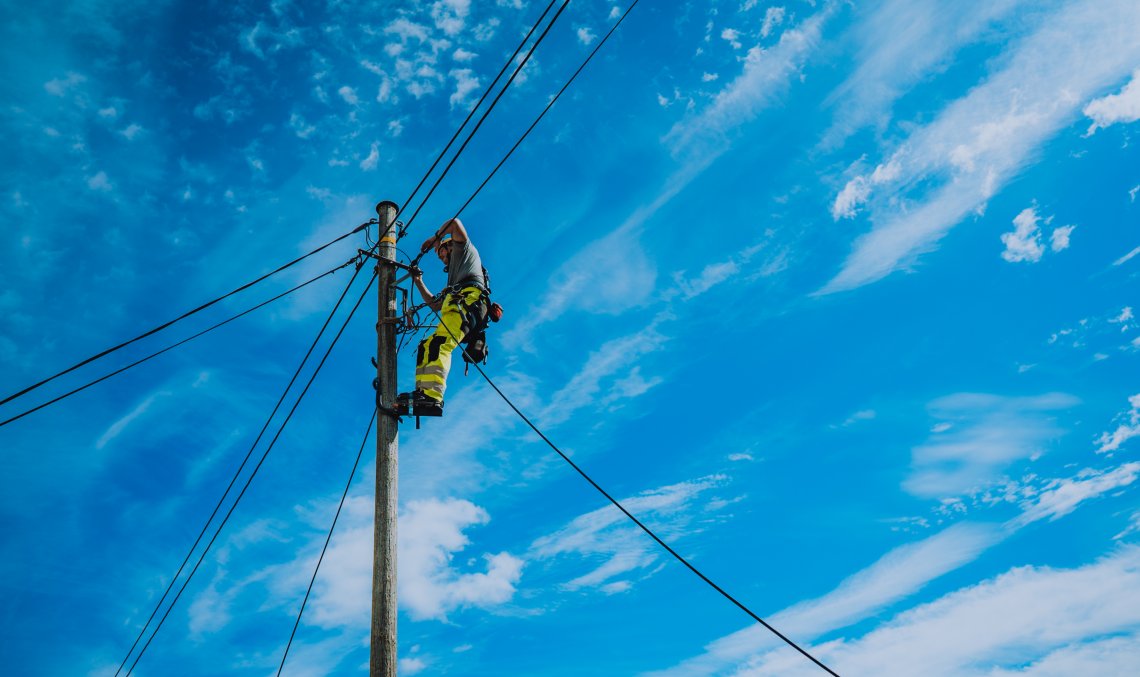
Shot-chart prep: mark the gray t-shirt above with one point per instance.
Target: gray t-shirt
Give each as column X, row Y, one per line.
column 465, row 268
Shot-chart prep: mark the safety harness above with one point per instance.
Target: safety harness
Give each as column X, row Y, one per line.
column 476, row 319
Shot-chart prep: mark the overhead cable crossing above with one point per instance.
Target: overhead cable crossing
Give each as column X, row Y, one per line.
column 253, row 473
column 233, row 481
column 297, row 403
column 183, row 316
column 175, row 345
column 566, row 458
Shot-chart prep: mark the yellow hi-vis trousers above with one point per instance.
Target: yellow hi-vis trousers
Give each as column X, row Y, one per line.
column 433, row 359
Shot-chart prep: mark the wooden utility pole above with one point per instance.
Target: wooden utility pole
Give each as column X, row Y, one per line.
column 382, row 662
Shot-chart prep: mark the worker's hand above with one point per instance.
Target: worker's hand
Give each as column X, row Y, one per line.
column 428, row 243
column 415, row 272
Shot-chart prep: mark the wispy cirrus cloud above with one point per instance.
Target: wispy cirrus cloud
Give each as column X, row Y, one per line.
column 1027, row 621
column 985, row 435
column 1061, row 497
column 984, row 139
column 1128, row 428
column 900, row 43
column 616, row 548
column 895, row 576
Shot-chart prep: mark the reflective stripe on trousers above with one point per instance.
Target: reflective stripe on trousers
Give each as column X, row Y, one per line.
column 433, row 359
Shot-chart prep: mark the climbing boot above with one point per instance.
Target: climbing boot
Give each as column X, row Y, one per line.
column 418, row 403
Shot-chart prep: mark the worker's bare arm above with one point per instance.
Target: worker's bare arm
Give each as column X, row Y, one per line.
column 429, row 298
column 452, row 226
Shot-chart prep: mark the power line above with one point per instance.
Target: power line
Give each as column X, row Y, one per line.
column 373, row 278
column 470, row 114
column 183, row 316
column 317, row 568
column 492, row 106
column 253, row 474
column 551, row 444
column 237, row 475
column 630, row 515
column 172, row 347
column 549, row 105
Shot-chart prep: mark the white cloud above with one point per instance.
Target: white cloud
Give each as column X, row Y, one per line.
column 709, row 77
column 1059, row 240
column 1128, row 428
column 615, row 357
column 410, row 666
column 895, row 576
column 1029, row 621
column 772, row 18
column 607, row 535
column 864, row 415
column 740, row 457
column 369, row 163
column 465, row 83
column 120, row 425
column 407, row 30
column 450, row 15
column 1114, row 108
column 984, row 139
column 586, row 36
column 1132, row 193
column 610, row 275
column 462, row 55
column 99, row 182
column 1061, row 497
column 249, row 40
column 1133, row 527
column 1024, row 243
column 301, row 128
column 349, row 95
column 899, row 43
column 989, row 434
column 1127, row 257
column 732, row 36
column 58, row 87
column 429, row 587
column 132, row 130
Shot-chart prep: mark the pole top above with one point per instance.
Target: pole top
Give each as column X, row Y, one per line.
column 387, row 206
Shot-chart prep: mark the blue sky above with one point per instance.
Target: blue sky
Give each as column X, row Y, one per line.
column 837, row 296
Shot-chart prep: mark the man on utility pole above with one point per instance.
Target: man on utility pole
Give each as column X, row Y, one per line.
column 462, row 306
column 382, row 661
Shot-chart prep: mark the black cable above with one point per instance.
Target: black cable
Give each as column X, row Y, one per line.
column 470, row 114
column 237, row 474
column 172, row 347
column 253, row 474
column 548, row 107
column 317, row 568
column 566, row 458
column 372, row 248
column 480, row 123
column 627, row 513
column 182, row 316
